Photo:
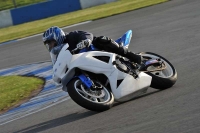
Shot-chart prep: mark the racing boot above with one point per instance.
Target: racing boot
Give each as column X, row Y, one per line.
column 123, row 51
column 118, row 48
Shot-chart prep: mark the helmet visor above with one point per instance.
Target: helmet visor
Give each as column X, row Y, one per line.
column 47, row 46
column 50, row 44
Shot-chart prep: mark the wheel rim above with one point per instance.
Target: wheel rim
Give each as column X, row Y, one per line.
column 100, row 96
column 166, row 73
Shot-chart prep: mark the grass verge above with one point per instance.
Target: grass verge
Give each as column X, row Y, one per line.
column 39, row 26
column 15, row 90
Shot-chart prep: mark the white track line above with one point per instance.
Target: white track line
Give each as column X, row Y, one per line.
column 62, row 28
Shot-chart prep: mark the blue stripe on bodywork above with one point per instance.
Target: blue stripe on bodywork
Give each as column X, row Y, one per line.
column 90, row 48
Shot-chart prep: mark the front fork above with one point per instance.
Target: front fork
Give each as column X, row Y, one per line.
column 86, row 80
column 89, row 83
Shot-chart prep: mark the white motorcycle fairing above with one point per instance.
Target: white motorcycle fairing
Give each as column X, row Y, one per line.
column 64, row 71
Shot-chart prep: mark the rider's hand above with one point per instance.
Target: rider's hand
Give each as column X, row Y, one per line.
column 84, row 43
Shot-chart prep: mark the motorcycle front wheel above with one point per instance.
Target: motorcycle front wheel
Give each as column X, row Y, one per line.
column 161, row 79
column 95, row 100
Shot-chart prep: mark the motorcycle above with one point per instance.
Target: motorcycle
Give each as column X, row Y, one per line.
column 96, row 79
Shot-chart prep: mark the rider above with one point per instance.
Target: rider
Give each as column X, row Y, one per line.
column 54, row 39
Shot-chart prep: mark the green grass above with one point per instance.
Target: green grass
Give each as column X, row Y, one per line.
column 8, row 4
column 14, row 89
column 35, row 27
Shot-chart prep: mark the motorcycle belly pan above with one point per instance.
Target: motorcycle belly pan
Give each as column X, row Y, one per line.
column 131, row 87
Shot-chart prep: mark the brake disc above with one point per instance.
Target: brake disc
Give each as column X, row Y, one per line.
column 93, row 93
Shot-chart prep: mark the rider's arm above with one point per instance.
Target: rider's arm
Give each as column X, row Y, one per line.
column 79, row 36
column 83, row 35
column 75, row 37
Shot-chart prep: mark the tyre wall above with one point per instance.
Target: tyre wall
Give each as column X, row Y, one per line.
column 44, row 10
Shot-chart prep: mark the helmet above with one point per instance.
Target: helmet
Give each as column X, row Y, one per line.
column 53, row 33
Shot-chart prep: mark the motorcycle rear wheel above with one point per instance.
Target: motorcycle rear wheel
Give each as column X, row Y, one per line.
column 161, row 79
column 99, row 100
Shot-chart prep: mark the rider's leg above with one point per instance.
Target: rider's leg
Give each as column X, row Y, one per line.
column 107, row 44
column 130, row 55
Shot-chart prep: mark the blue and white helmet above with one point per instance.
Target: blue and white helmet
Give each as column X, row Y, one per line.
column 54, row 33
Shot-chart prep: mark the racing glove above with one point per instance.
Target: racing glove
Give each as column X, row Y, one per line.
column 84, row 43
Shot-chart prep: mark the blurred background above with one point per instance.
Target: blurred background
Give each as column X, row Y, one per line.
column 9, row 4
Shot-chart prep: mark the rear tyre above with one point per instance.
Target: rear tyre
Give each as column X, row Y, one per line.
column 161, row 79
column 95, row 100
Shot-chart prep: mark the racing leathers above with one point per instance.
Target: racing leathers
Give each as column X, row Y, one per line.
column 103, row 43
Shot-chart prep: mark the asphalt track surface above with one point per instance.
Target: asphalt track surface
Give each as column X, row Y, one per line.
column 170, row 29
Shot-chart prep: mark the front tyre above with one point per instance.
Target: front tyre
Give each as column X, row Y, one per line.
column 95, row 100
column 161, row 79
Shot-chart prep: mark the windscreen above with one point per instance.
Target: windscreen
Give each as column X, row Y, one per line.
column 55, row 52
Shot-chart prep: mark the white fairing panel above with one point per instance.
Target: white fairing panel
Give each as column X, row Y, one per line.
column 53, row 58
column 61, row 64
column 130, row 85
column 86, row 61
column 66, row 63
